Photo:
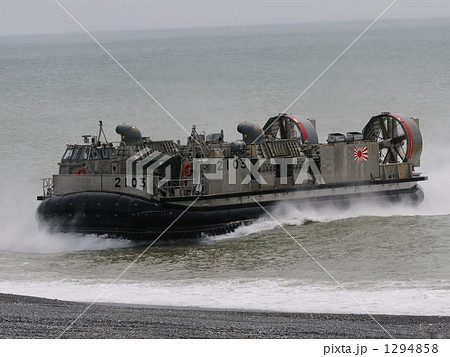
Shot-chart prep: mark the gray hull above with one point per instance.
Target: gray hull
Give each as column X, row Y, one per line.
column 124, row 215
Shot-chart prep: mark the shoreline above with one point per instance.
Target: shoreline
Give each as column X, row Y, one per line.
column 32, row 317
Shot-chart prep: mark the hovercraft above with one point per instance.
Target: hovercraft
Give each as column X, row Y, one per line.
column 139, row 188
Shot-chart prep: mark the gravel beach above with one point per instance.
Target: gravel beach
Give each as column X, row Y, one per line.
column 30, row 317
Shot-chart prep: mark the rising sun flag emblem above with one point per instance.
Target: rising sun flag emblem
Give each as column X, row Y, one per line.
column 361, row 154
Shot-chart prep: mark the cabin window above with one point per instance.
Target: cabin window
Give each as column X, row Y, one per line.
column 96, row 154
column 84, row 154
column 107, row 152
column 75, row 153
column 79, row 154
column 67, row 155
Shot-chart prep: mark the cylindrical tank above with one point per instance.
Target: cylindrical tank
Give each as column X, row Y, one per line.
column 251, row 133
column 129, row 134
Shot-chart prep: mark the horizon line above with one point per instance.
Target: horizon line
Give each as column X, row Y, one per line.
column 230, row 26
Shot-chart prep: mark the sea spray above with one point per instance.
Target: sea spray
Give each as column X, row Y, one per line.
column 19, row 230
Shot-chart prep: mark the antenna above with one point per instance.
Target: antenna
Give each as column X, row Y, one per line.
column 101, row 131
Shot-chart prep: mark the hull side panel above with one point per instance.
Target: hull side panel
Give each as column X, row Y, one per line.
column 138, row 218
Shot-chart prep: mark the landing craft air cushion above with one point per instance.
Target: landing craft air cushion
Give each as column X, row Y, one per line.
column 138, row 187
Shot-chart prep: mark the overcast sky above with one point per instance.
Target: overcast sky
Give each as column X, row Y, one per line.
column 45, row 16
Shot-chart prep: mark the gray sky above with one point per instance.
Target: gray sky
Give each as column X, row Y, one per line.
column 45, row 16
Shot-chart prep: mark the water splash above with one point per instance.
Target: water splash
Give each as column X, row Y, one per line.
column 19, row 231
column 258, row 226
column 437, row 202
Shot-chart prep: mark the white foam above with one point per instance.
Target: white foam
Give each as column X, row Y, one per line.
column 260, row 225
column 397, row 298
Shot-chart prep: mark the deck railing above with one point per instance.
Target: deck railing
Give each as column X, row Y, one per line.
column 47, row 187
